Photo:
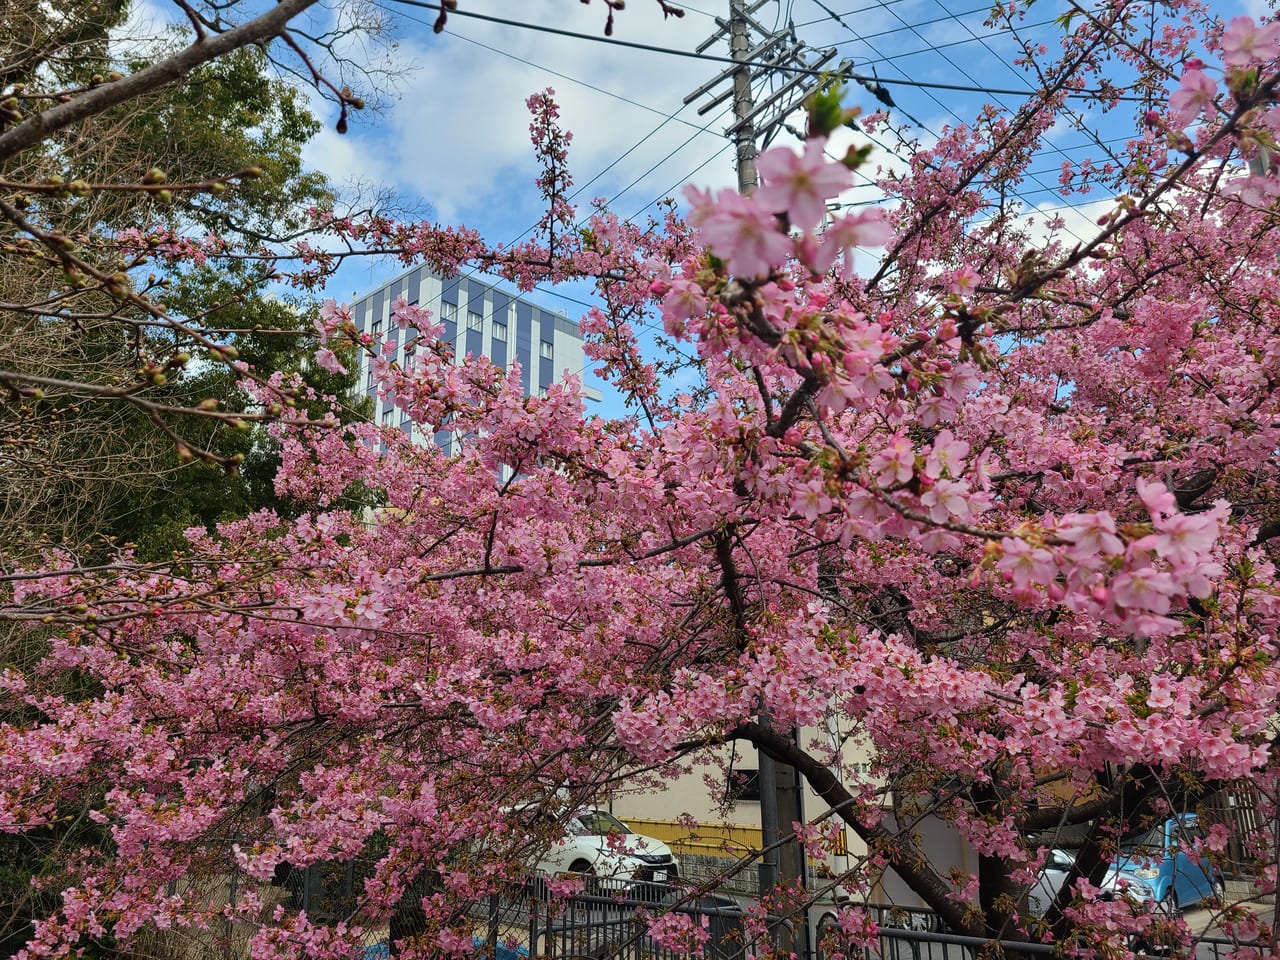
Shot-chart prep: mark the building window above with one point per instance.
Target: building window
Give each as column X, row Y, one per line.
column 547, row 350
column 386, row 417
column 475, row 321
column 368, row 380
column 499, row 331
column 743, row 785
column 376, row 329
column 449, row 311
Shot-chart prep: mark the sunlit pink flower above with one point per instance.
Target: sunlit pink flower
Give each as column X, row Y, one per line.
column 964, row 281
column 948, row 454
column 895, row 463
column 684, row 299
column 742, row 233
column 1193, row 97
column 1244, row 41
column 329, row 360
column 1144, row 588
column 867, row 228
column 811, row 500
column 799, row 184
column 947, row 499
column 1024, row 564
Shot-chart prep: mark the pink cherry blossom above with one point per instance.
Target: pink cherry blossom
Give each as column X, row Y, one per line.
column 329, row 360
column 1194, row 96
column 895, row 463
column 810, row 500
column 1026, row 565
column 867, row 228
column 1014, row 553
column 1144, row 589
column 1244, row 41
column 799, row 184
column 743, row 234
column 947, row 455
column 964, row 281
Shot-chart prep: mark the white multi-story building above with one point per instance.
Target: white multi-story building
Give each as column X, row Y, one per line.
column 479, row 319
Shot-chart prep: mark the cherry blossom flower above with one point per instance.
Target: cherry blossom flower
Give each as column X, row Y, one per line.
column 947, row 500
column 1244, row 41
column 1024, row 564
column 1144, row 588
column 947, row 455
column 964, row 281
column 867, row 228
column 799, row 184
column 895, row 463
column 810, row 500
column 741, row 233
column 1193, row 97
column 329, row 360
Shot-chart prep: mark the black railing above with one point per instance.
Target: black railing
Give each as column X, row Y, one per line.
column 609, row 920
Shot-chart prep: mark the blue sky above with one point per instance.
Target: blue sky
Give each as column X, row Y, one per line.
column 453, row 135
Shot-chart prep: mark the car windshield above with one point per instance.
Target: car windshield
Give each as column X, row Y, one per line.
column 1060, row 860
column 598, row 823
column 1187, row 834
column 1149, row 842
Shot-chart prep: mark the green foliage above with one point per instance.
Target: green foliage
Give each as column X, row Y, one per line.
column 272, row 334
column 826, row 109
column 97, row 473
column 230, row 116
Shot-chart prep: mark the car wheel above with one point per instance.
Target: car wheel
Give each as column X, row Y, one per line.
column 1170, row 903
column 1219, row 892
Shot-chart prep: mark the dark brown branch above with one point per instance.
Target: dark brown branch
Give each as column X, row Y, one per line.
column 37, row 128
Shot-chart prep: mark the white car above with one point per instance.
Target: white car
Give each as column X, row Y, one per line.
column 597, row 843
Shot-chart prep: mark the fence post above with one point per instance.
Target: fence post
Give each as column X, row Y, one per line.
column 232, row 892
column 492, row 940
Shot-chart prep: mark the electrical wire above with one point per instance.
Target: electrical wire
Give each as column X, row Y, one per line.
column 711, row 58
column 667, row 118
column 974, row 87
column 884, row 5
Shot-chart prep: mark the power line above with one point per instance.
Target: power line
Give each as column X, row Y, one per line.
column 883, row 4
column 667, row 118
column 712, row 58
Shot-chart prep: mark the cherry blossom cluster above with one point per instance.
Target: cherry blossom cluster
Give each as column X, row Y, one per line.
column 999, row 513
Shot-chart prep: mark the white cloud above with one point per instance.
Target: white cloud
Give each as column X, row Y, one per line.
column 458, row 136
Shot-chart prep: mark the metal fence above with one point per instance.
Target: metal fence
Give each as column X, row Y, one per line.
column 1239, row 808
column 610, row 921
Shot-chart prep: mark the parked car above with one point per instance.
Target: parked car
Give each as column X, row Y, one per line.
column 1119, row 881
column 597, row 843
column 1164, row 858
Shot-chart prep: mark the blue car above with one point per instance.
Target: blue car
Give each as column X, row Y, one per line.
column 1160, row 858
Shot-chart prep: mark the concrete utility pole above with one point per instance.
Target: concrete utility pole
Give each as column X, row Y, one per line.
column 744, row 131
column 759, row 52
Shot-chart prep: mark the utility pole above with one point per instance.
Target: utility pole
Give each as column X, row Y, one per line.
column 744, row 131
column 759, row 52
